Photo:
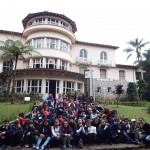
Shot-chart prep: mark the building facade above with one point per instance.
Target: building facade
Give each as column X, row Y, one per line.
column 64, row 60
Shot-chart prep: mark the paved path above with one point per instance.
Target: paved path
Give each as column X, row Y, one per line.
column 95, row 147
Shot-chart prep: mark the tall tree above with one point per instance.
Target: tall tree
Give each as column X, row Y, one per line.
column 142, row 88
column 12, row 50
column 136, row 47
column 145, row 65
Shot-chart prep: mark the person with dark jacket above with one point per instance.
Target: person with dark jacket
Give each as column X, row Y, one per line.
column 5, row 134
column 30, row 135
column 40, row 116
column 116, row 130
column 128, row 135
column 104, row 132
column 44, row 134
column 66, row 134
column 72, row 123
column 17, row 134
column 145, row 129
column 79, row 133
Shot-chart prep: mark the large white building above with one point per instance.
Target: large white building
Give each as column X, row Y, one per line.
column 63, row 60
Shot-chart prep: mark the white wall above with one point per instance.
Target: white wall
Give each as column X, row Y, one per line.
column 93, row 52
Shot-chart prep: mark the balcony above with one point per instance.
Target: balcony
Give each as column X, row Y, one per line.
column 49, row 27
column 104, row 63
column 83, row 61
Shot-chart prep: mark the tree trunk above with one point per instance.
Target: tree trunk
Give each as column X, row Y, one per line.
column 13, row 81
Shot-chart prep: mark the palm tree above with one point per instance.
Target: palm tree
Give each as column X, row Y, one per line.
column 145, row 65
column 136, row 47
column 12, row 50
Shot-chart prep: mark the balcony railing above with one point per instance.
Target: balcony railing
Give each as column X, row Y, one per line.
column 82, row 60
column 105, row 63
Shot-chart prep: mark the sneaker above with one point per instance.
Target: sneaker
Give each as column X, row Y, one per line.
column 34, row 146
column 18, row 146
column 64, row 146
column 42, row 148
column 70, row 146
column 26, row 146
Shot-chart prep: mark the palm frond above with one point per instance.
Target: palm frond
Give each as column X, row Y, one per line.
column 129, row 56
column 128, row 50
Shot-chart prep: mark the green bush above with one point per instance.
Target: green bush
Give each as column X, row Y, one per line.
column 132, row 91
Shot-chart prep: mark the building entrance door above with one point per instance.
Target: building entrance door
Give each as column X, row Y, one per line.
column 52, row 87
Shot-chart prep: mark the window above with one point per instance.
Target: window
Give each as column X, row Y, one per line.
column 64, row 46
column 99, row 89
column 51, row 63
column 68, row 86
column 7, row 65
column 138, row 76
column 82, row 69
column 83, row 54
column 38, row 43
column 103, row 73
column 34, row 86
column 37, row 63
column 40, row 21
column 79, row 87
column 121, row 74
column 109, row 89
column 52, row 21
column 64, row 25
column 52, row 43
column 19, row 84
column 30, row 23
column 63, row 65
column 103, row 56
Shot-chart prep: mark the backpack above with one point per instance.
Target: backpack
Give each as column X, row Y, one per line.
column 80, row 144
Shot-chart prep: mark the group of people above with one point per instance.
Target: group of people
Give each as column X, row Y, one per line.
column 68, row 122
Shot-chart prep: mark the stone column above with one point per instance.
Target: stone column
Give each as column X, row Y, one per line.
column 61, row 86
column 44, row 62
column 58, row 64
column 68, row 66
column 1, row 66
column 31, row 63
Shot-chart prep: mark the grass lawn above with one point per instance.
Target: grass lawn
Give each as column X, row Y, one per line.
column 11, row 111
column 131, row 112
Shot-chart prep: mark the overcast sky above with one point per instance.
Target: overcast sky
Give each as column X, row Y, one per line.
column 111, row 22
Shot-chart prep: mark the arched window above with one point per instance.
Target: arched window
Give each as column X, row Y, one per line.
column 83, row 53
column 103, row 56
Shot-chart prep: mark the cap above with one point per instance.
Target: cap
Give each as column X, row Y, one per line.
column 133, row 120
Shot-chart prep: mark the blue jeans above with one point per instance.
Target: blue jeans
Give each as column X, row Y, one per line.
column 44, row 144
